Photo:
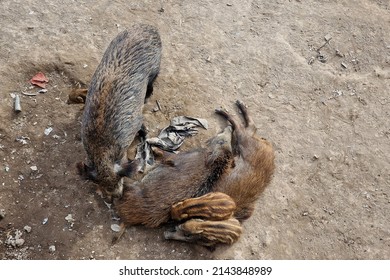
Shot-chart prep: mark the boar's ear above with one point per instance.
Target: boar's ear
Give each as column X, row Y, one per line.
column 85, row 171
column 128, row 169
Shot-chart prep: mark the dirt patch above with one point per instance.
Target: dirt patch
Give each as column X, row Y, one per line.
column 324, row 106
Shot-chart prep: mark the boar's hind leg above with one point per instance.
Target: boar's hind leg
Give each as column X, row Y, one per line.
column 211, row 206
column 248, row 120
column 207, row 233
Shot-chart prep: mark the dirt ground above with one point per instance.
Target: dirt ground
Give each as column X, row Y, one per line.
column 314, row 74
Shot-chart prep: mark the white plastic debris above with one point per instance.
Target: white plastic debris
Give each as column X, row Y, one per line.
column 48, row 130
column 17, row 106
column 22, row 139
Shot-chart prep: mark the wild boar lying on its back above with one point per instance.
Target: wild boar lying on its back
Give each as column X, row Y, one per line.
column 179, row 176
column 113, row 107
column 242, row 184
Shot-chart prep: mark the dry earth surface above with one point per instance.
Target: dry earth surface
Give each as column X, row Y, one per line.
column 314, row 74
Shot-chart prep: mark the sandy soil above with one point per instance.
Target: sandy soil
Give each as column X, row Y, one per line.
column 324, row 106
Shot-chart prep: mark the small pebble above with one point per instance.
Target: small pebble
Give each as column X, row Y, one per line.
column 27, row 229
column 34, row 168
column 52, row 249
column 18, row 234
column 339, row 54
column 19, row 242
column 2, row 214
column 69, row 218
column 115, row 227
column 328, row 37
column 45, row 220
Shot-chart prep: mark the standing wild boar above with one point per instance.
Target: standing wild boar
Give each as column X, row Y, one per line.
column 113, row 106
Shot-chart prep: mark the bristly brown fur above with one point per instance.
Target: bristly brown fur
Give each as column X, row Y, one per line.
column 212, row 206
column 254, row 165
column 221, row 182
column 242, row 183
column 148, row 202
column 112, row 114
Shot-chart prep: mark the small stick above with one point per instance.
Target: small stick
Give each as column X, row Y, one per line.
column 115, row 239
column 324, row 44
column 29, row 94
column 17, row 107
column 158, row 105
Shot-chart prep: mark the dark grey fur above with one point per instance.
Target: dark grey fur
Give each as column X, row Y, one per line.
column 113, row 107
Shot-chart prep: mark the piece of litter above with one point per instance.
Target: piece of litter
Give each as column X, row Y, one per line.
column 39, row 80
column 115, row 227
column 336, row 94
column 170, row 139
column 48, row 130
column 17, row 107
column 22, row 139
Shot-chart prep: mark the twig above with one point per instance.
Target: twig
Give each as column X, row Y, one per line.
column 158, row 105
column 324, row 44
